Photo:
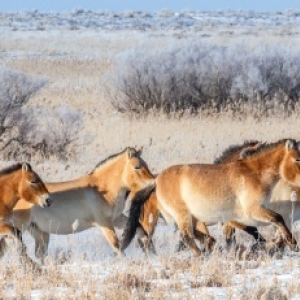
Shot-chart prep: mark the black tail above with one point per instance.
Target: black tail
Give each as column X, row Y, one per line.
column 136, row 209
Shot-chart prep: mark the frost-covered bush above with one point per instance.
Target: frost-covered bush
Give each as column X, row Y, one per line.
column 204, row 77
column 15, row 91
column 51, row 133
column 25, row 131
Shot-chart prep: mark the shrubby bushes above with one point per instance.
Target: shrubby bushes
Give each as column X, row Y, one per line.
column 26, row 131
column 206, row 78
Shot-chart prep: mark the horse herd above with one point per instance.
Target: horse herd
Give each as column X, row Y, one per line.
column 249, row 185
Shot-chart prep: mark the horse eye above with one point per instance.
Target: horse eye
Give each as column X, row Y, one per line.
column 137, row 167
column 34, row 181
column 297, row 160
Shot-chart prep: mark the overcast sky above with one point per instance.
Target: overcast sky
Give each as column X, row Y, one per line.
column 149, row 5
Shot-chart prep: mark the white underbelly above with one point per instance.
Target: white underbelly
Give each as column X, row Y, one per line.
column 212, row 210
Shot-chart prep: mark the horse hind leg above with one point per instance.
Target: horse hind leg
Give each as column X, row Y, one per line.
column 202, row 235
column 185, row 225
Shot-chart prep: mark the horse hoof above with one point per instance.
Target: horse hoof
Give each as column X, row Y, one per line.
column 180, row 247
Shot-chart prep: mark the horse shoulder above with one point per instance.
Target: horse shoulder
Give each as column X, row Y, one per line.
column 21, row 216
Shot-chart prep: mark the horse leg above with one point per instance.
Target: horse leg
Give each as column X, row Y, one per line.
column 185, row 225
column 9, row 230
column 145, row 241
column 265, row 215
column 41, row 241
column 110, row 235
column 3, row 247
column 202, row 234
column 229, row 231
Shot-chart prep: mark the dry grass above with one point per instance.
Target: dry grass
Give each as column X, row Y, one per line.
column 220, row 275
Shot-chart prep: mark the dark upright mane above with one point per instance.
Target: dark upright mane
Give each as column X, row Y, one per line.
column 102, row 162
column 10, row 169
column 233, row 150
column 266, row 147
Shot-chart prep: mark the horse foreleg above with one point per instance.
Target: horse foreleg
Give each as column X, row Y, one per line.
column 41, row 241
column 229, row 231
column 110, row 235
column 8, row 230
column 265, row 215
column 145, row 241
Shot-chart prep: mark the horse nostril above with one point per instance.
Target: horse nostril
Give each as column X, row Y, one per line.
column 48, row 201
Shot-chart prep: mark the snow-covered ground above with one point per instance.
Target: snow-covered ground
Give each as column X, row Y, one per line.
column 82, row 266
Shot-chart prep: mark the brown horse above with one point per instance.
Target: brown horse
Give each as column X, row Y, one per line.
column 18, row 182
column 235, row 191
column 95, row 200
column 151, row 209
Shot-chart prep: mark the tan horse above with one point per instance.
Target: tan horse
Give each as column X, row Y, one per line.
column 97, row 199
column 150, row 213
column 211, row 193
column 280, row 200
column 16, row 182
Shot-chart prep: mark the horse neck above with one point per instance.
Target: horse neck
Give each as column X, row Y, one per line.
column 9, row 189
column 109, row 177
column 81, row 182
column 267, row 165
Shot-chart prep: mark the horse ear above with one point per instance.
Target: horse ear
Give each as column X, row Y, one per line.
column 26, row 167
column 140, row 151
column 131, row 152
column 290, row 144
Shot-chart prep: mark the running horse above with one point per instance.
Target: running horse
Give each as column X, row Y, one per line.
column 17, row 182
column 94, row 200
column 236, row 191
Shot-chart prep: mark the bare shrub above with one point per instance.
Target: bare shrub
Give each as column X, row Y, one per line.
column 197, row 77
column 48, row 132
column 25, row 131
column 15, row 91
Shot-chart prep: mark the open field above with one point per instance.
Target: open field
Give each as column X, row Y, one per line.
column 76, row 61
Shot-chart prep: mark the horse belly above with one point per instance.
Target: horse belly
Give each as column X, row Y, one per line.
column 56, row 220
column 211, row 210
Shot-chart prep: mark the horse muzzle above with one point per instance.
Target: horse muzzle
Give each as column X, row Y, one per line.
column 46, row 201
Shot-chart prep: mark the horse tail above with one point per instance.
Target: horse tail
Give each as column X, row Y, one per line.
column 136, row 209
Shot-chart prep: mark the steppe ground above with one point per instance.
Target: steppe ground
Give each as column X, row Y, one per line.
column 76, row 64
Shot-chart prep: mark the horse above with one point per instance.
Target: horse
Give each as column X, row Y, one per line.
column 94, row 200
column 17, row 182
column 210, row 193
column 150, row 213
column 280, row 200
